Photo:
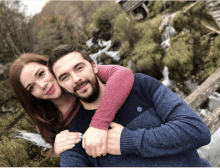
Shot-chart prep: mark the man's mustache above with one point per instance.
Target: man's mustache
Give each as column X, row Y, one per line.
column 80, row 85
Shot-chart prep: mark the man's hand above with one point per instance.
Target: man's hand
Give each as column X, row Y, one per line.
column 94, row 142
column 66, row 140
column 113, row 142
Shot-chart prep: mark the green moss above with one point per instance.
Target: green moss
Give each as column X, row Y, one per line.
column 49, row 162
column 14, row 154
column 212, row 61
column 7, row 124
column 125, row 50
column 179, row 56
column 26, row 124
column 124, row 29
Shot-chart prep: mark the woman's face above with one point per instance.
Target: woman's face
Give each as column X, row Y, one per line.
column 37, row 79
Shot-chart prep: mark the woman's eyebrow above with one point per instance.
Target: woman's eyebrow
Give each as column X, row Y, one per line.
column 35, row 75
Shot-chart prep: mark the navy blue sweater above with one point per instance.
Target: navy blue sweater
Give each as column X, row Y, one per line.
column 160, row 129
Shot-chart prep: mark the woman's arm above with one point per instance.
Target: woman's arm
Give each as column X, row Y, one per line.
column 119, row 82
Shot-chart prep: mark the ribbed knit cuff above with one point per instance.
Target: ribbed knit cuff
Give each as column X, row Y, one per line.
column 99, row 124
column 127, row 141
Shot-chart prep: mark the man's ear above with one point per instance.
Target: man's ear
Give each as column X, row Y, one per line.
column 95, row 68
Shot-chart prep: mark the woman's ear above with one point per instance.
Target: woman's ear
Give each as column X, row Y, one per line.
column 95, row 68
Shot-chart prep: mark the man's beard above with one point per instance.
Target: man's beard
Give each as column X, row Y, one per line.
column 93, row 95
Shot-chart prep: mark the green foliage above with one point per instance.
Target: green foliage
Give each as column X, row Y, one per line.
column 212, row 61
column 15, row 31
column 181, row 21
column 199, row 8
column 124, row 29
column 157, row 7
column 49, row 162
column 147, row 59
column 179, row 56
column 125, row 50
column 105, row 15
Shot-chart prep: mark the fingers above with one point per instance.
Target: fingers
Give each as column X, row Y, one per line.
column 104, row 149
column 66, row 140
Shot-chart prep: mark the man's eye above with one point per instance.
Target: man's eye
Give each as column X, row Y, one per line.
column 31, row 89
column 64, row 78
column 79, row 68
column 41, row 74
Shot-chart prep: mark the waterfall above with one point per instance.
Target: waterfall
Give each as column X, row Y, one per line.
column 32, row 137
column 169, row 30
column 166, row 81
column 107, row 45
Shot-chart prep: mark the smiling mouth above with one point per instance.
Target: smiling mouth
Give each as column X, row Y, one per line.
column 51, row 90
column 80, row 88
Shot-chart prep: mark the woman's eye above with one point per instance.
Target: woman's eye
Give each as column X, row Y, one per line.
column 31, row 88
column 41, row 74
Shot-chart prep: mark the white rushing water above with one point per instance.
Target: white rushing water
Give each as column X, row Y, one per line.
column 89, row 42
column 32, row 137
column 211, row 152
column 166, row 81
column 107, row 45
column 169, row 30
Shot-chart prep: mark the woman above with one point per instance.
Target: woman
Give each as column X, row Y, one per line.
column 49, row 106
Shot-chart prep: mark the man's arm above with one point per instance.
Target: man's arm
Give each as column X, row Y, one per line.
column 75, row 157
column 182, row 129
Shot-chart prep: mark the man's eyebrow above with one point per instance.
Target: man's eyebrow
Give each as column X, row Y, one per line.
column 35, row 75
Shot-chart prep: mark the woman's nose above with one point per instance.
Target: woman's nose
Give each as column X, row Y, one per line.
column 43, row 85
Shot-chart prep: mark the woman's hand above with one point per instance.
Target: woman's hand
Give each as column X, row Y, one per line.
column 66, row 140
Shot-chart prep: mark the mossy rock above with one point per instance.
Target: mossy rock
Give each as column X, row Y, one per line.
column 53, row 161
column 26, row 124
column 14, row 153
column 18, row 153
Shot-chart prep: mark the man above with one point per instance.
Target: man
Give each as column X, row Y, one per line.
column 154, row 127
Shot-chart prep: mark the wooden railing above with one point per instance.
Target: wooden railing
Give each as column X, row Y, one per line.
column 202, row 93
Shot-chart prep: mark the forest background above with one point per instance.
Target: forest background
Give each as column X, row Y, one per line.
column 194, row 52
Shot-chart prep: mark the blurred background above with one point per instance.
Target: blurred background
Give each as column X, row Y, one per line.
column 176, row 42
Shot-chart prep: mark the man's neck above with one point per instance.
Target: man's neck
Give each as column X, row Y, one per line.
column 94, row 105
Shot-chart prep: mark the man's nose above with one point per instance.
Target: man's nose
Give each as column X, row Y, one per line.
column 76, row 78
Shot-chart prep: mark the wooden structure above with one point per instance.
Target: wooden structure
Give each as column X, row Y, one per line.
column 129, row 6
column 201, row 94
column 214, row 8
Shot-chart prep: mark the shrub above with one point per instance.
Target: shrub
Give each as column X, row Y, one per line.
column 124, row 29
column 105, row 15
column 147, row 58
column 179, row 56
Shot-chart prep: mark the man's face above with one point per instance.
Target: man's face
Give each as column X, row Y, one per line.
column 77, row 76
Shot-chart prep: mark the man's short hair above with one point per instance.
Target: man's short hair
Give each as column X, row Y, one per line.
column 63, row 50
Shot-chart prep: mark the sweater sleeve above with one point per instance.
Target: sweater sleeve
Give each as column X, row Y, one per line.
column 182, row 129
column 119, row 82
column 75, row 157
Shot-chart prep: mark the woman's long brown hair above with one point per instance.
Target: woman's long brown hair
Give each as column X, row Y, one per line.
column 44, row 114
